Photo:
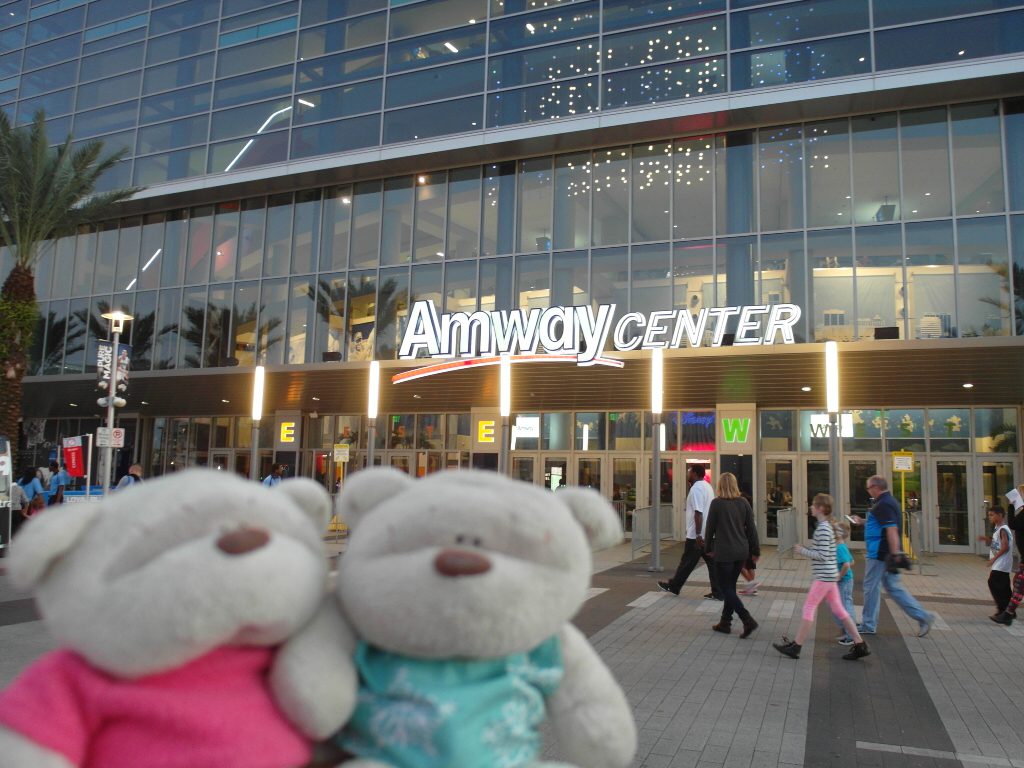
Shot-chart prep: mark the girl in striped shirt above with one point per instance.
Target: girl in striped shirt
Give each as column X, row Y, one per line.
column 823, row 564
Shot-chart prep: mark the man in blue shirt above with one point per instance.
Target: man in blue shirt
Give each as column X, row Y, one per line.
column 274, row 477
column 882, row 537
column 58, row 476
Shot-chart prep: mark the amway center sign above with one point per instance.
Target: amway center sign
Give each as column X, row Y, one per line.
column 581, row 334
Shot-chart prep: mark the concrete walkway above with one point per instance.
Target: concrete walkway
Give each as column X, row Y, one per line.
column 703, row 699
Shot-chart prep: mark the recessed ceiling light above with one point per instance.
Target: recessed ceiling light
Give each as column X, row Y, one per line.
column 73, row 405
column 968, row 385
column 317, row 399
column 224, row 401
column 805, row 389
column 144, row 403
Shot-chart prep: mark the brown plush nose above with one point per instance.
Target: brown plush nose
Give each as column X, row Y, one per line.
column 459, row 562
column 242, row 540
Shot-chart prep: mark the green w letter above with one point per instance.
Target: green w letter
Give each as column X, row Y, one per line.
column 736, row 430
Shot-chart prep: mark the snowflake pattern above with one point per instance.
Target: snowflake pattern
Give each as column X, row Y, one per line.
column 511, row 735
column 406, row 717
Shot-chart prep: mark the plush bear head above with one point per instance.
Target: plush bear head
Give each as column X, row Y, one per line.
column 466, row 564
column 162, row 573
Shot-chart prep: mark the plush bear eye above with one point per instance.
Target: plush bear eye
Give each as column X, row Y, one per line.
column 478, row 542
column 460, row 539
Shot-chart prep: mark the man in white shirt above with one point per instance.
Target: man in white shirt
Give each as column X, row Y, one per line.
column 697, row 502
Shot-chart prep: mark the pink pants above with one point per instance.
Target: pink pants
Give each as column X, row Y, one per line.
column 821, row 590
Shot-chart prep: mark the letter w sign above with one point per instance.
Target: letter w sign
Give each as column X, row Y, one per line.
column 735, row 430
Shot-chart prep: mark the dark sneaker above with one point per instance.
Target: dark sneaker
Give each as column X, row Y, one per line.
column 712, row 596
column 1003, row 618
column 787, row 648
column 859, row 651
column 926, row 626
column 845, row 641
column 668, row 588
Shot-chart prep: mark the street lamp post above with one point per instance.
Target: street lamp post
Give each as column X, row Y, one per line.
column 257, row 415
column 656, row 403
column 117, row 320
column 372, row 397
column 505, row 410
column 832, row 406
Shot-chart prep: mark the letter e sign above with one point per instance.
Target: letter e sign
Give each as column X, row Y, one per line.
column 485, row 431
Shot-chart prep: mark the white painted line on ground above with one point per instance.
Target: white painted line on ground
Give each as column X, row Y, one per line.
column 937, row 753
column 782, row 609
column 647, row 599
column 595, row 591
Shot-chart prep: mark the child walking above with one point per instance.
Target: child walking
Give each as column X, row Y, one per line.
column 1015, row 520
column 823, row 555
column 1000, row 560
column 844, row 561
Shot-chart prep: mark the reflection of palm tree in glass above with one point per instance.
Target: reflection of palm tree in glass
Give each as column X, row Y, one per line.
column 1003, row 306
column 387, row 319
column 216, row 332
column 1004, row 438
column 58, row 336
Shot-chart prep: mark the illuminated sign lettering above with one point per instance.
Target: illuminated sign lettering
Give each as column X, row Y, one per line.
column 582, row 332
column 736, row 430
column 287, row 432
column 485, row 431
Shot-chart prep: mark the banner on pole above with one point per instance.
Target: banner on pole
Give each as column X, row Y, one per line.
column 74, row 460
column 104, row 358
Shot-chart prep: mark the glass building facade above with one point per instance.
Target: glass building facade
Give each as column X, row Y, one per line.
column 200, row 87
column 896, row 225
column 315, row 167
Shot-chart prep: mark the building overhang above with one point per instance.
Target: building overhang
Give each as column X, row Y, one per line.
column 924, row 86
column 874, row 374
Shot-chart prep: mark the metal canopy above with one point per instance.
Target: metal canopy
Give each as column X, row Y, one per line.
column 874, row 374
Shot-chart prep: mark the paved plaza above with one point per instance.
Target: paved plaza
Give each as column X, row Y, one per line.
column 955, row 697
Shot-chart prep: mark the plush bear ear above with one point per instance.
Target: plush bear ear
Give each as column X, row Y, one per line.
column 594, row 514
column 44, row 539
column 367, row 489
column 310, row 497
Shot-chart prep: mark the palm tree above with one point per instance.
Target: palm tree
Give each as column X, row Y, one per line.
column 45, row 192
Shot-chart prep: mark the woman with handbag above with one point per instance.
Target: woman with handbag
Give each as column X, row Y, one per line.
column 731, row 539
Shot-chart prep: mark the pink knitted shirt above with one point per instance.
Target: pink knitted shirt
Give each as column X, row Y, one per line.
column 214, row 712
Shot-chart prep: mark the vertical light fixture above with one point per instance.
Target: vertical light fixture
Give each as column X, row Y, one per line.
column 117, row 320
column 258, row 377
column 657, row 372
column 832, row 406
column 504, row 410
column 372, row 399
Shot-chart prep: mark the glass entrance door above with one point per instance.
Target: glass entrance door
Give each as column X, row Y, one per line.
column 667, row 496
column 952, row 482
column 556, row 472
column 624, row 488
column 778, row 493
column 524, row 468
column 858, row 501
column 588, row 472
column 995, row 479
column 815, row 482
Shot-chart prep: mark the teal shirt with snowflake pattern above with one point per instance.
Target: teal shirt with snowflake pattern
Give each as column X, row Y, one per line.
column 438, row 713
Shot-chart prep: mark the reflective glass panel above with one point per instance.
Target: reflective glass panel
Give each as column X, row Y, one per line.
column 263, row 53
column 362, row 296
column 316, row 11
column 463, row 240
column 128, row 244
column 609, row 281
column 797, row 21
column 619, row 14
column 535, row 65
column 931, row 303
column 1013, row 121
column 190, row 329
column 277, row 251
column 439, row 14
column 876, row 180
column 216, row 347
column 959, row 40
column 178, row 133
column 995, row 430
column 166, row 106
column 1017, row 230
column 650, row 285
column 165, row 344
column 983, row 288
column 301, row 306
column 693, row 278
column 780, row 160
column 429, row 225
column 880, row 287
column 663, row 83
column 570, row 283
column 549, row 26
column 734, row 182
column 433, row 120
column 338, row 102
column 56, row 320
column 903, row 11
column 784, row 276
column 336, row 228
column 244, row 328
column 819, row 60
column 572, row 201
column 435, row 83
column 250, row 238
column 325, row 138
column 651, row 191
column 460, row 287
column 175, row 243
column 273, row 306
column 177, row 74
column 949, row 429
column 830, row 253
column 693, row 189
column 254, row 118
column 306, row 231
column 542, row 102
column 340, row 68
column 535, row 200
column 180, row 44
column 396, row 226
column 343, row 35
column 496, row 284
column 499, row 201
column 673, row 42
column 533, row 282
column 829, row 196
column 977, row 158
column 924, row 144
column 437, row 48
column 366, row 224
column 330, row 318
column 611, row 196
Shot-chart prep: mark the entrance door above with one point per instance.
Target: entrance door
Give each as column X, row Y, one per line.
column 668, row 490
column 858, row 501
column 588, row 472
column 624, row 488
column 995, row 478
column 556, row 471
column 815, row 477
column 222, row 461
column 524, row 468
column 778, row 493
column 403, row 461
column 954, row 487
